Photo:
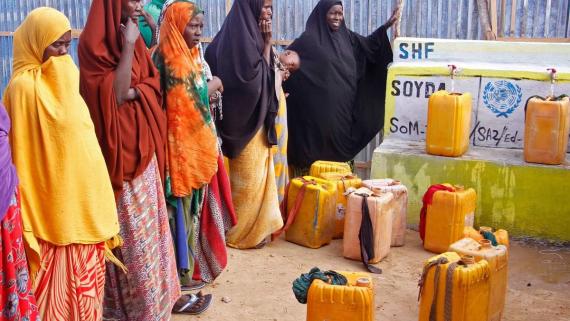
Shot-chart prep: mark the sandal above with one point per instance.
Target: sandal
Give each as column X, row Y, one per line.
column 193, row 286
column 263, row 243
column 196, row 304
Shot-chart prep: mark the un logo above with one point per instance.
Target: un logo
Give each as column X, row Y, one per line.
column 502, row 97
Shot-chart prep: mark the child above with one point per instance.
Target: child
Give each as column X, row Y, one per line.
column 286, row 63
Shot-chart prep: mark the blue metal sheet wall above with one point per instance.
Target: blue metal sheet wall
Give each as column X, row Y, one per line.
column 455, row 19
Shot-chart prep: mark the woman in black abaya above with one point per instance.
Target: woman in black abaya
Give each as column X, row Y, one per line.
column 241, row 56
column 336, row 99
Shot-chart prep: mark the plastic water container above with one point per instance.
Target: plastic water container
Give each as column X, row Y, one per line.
column 313, row 225
column 381, row 209
column 448, row 123
column 547, row 126
column 352, row 302
column 498, row 259
column 343, row 183
column 319, row 167
column 447, row 217
column 400, row 193
column 502, row 236
column 472, row 233
column 454, row 288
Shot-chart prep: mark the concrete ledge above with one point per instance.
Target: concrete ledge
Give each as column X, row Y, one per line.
column 526, row 199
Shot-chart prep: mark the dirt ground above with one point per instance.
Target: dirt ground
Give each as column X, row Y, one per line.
column 257, row 283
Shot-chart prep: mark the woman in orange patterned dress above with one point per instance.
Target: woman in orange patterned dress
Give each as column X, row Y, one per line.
column 197, row 185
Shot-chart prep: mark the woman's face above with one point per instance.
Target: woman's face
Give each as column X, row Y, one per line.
column 193, row 31
column 335, row 17
column 267, row 10
column 58, row 48
column 131, row 9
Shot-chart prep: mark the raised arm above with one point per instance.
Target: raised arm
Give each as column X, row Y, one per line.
column 122, row 83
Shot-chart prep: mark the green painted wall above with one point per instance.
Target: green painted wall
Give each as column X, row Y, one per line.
column 525, row 199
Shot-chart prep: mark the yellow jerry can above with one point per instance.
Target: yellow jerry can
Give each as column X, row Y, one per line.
column 502, row 236
column 351, row 302
column 447, row 216
column 319, row 167
column 547, row 126
column 343, row 182
column 310, row 211
column 498, row 259
column 448, row 123
column 472, row 233
column 400, row 193
column 454, row 288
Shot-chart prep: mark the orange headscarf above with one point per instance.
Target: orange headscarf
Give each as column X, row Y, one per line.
column 131, row 134
column 192, row 140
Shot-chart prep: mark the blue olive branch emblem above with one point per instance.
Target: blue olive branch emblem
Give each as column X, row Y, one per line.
column 502, row 97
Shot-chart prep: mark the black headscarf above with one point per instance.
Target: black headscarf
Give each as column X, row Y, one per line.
column 336, row 99
column 236, row 56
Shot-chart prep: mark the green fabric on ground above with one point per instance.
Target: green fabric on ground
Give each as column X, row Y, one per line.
column 302, row 284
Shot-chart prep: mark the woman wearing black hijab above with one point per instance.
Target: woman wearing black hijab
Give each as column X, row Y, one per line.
column 336, row 99
column 241, row 56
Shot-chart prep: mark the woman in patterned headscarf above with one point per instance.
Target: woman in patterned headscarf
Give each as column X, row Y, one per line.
column 196, row 185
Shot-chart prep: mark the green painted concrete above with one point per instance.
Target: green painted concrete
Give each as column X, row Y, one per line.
column 525, row 199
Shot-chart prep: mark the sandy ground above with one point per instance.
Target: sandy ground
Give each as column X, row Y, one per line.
column 257, row 283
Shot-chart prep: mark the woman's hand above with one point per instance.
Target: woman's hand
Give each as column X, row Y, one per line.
column 285, row 74
column 215, row 85
column 396, row 13
column 130, row 32
column 149, row 20
column 122, row 82
column 266, row 27
column 266, row 32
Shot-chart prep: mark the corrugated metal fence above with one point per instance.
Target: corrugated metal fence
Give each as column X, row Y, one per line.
column 454, row 19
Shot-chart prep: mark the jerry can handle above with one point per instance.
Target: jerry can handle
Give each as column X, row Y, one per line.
column 289, row 216
column 528, row 100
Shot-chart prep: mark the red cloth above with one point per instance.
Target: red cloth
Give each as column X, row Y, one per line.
column 130, row 134
column 17, row 301
column 218, row 216
column 427, row 200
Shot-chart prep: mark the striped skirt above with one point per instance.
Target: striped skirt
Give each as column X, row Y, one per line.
column 70, row 284
column 148, row 291
column 17, row 303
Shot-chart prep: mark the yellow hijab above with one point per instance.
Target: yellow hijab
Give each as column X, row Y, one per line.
column 66, row 192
